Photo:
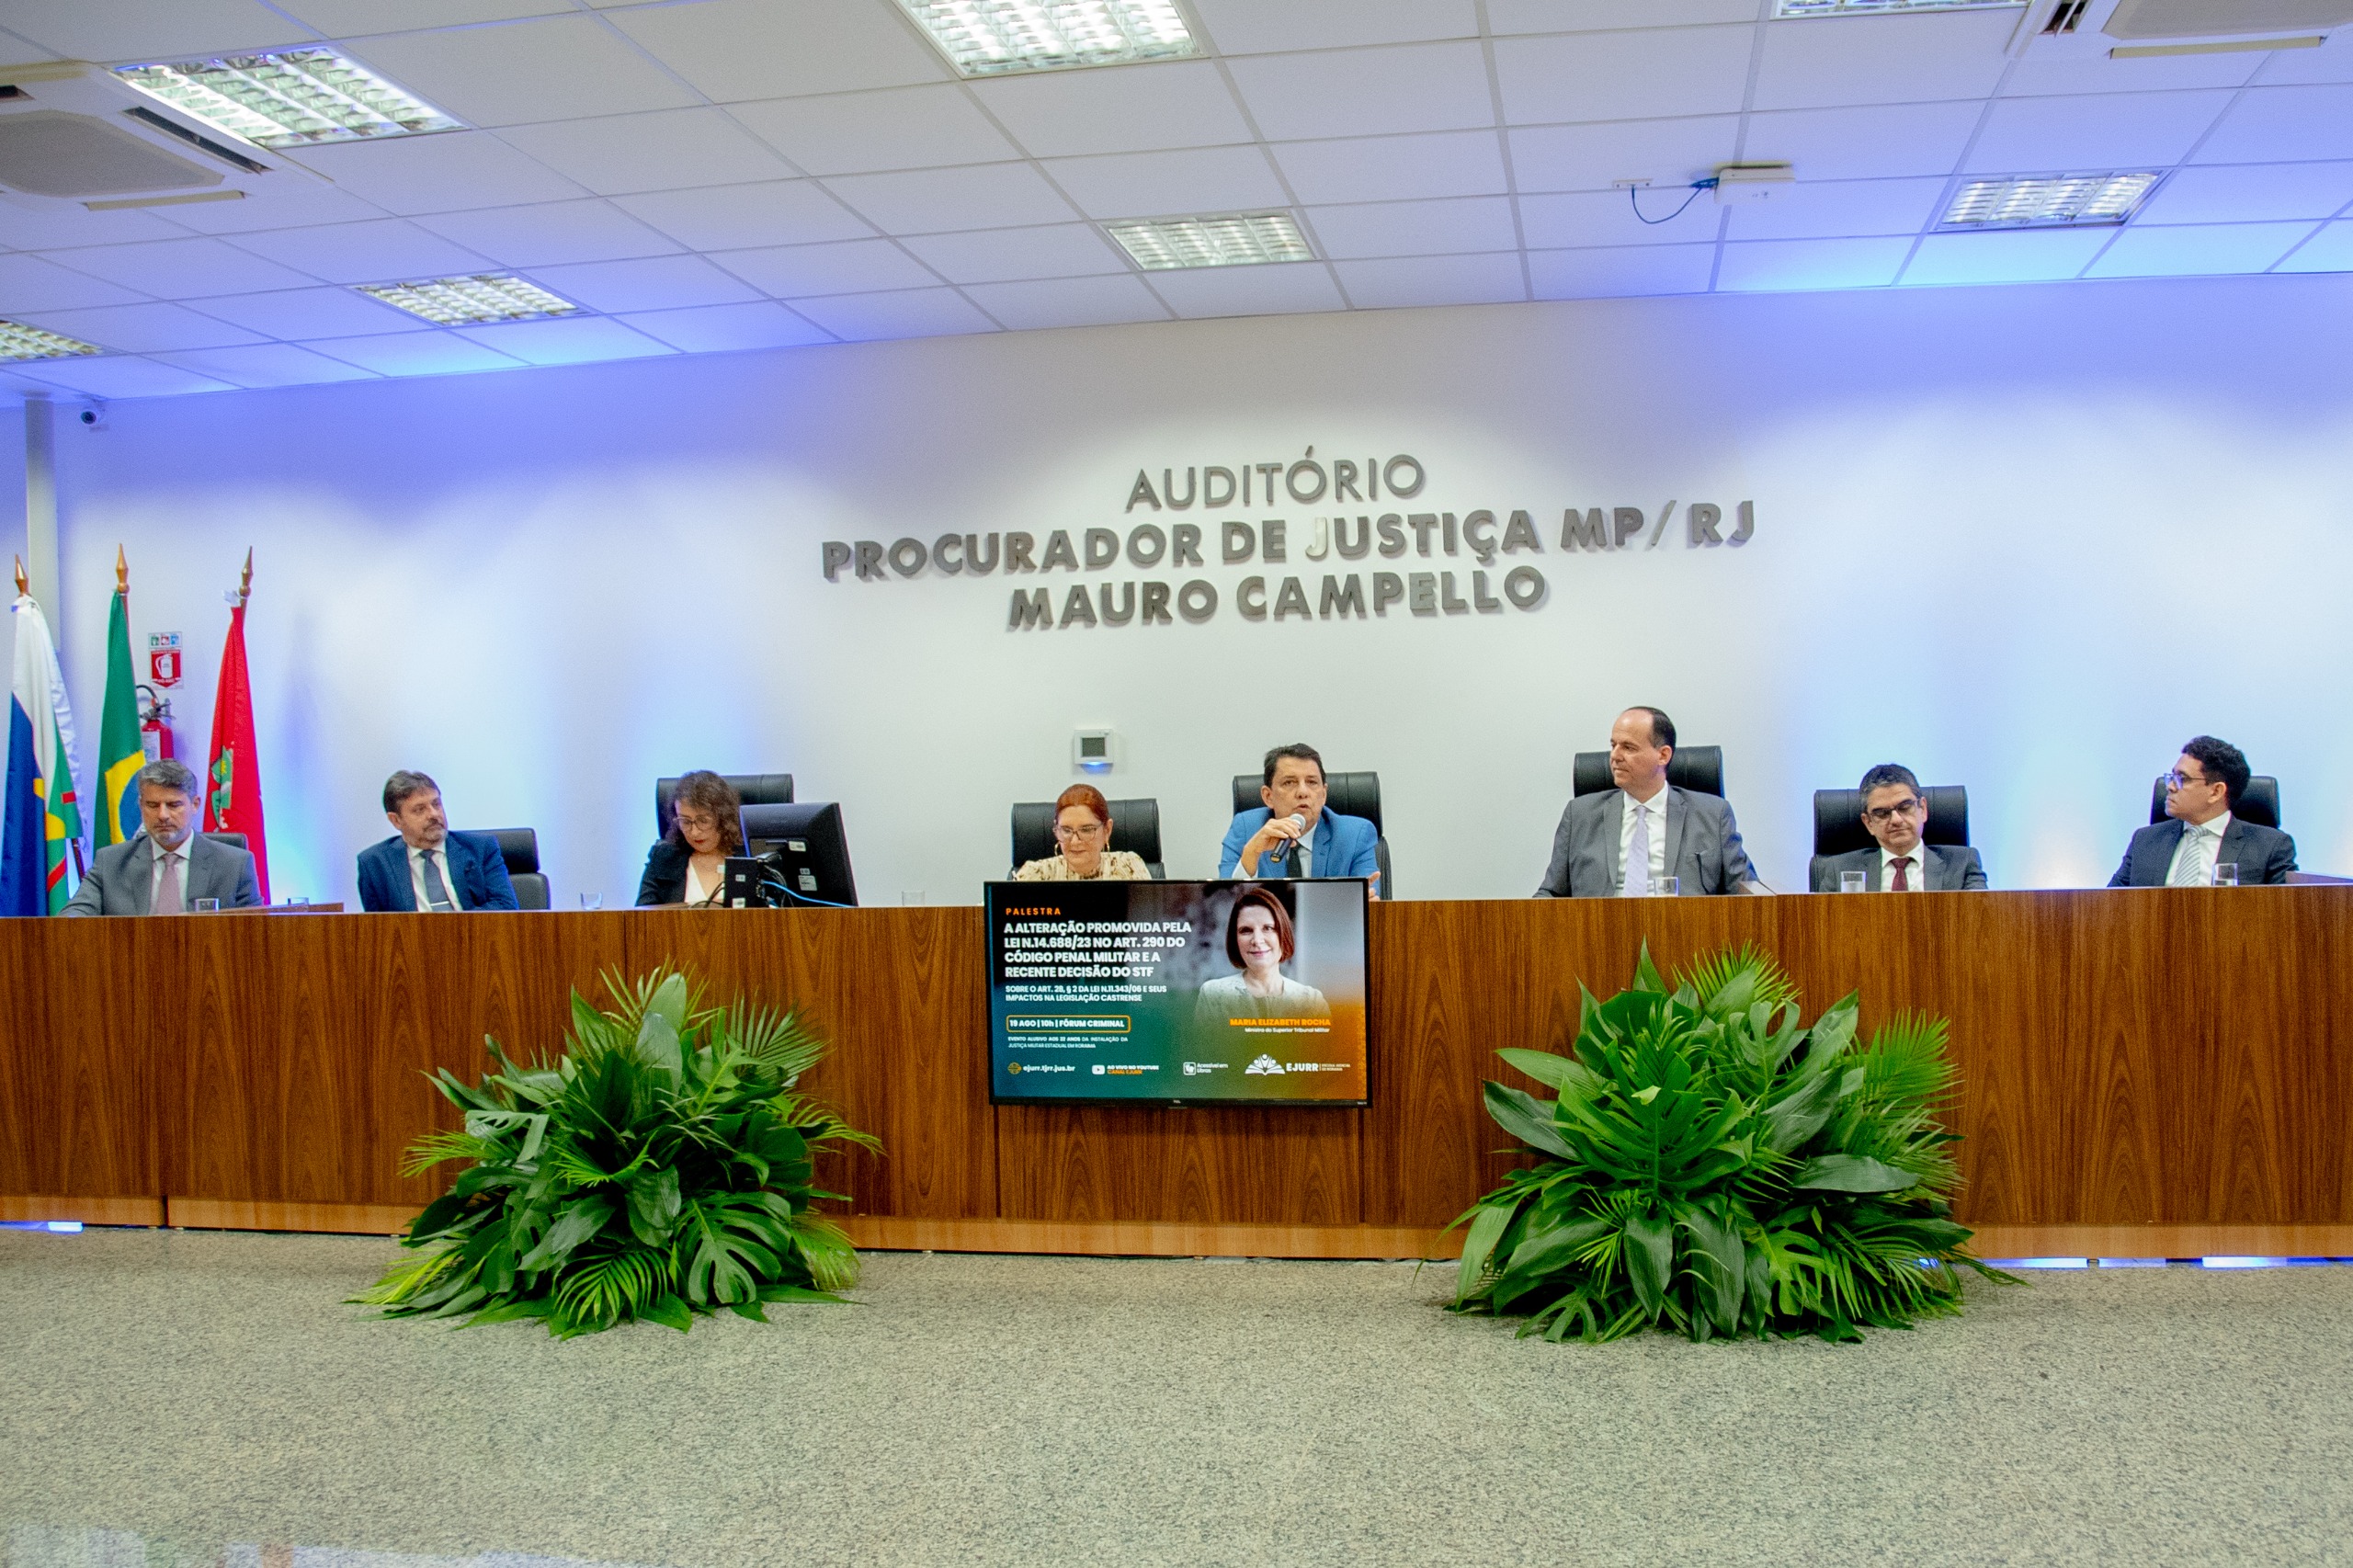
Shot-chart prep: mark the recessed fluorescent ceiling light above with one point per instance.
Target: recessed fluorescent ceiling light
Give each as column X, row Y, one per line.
column 1872, row 7
column 988, row 38
column 457, row 301
column 19, row 341
column 296, row 98
column 2047, row 202
column 1238, row 239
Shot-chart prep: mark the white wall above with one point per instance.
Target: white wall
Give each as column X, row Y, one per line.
column 2028, row 540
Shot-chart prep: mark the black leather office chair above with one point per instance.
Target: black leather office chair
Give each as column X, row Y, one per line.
column 756, row 789
column 520, row 847
column 1135, row 827
column 2259, row 802
column 1350, row 794
column 233, row 840
column 1691, row 767
column 1838, row 819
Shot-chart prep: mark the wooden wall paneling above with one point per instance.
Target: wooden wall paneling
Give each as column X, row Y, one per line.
column 32, row 1098
column 1273, row 1165
column 901, row 994
column 95, row 1067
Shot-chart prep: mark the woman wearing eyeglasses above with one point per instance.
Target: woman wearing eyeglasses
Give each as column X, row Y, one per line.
column 1083, row 830
column 705, row 826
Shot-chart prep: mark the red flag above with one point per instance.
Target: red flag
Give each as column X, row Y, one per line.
column 233, row 798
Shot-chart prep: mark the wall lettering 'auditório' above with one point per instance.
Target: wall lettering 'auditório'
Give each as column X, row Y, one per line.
column 1482, row 561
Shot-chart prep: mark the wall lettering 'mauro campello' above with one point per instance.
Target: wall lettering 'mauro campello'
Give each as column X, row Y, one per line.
column 1160, row 543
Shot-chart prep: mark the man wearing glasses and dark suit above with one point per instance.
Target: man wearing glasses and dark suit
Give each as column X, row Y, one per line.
column 2202, row 838
column 1896, row 813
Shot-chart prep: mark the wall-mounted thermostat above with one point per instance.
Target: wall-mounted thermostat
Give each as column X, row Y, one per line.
column 1093, row 751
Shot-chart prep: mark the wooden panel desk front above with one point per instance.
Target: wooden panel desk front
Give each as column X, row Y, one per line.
column 2175, row 1066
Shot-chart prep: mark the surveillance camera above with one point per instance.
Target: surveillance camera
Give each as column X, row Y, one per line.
column 94, row 416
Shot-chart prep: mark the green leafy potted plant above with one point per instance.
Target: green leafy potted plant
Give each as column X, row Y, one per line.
column 1708, row 1164
column 661, row 1166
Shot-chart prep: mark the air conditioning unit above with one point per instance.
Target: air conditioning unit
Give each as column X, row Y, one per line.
column 75, row 135
column 2126, row 30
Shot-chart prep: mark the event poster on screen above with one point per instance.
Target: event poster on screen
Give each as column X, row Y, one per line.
column 1230, row 992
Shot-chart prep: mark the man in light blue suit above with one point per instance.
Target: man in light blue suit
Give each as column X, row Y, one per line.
column 1292, row 835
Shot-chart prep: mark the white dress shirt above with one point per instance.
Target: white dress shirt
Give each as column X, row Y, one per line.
column 2208, row 849
column 416, row 877
column 176, row 869
column 698, row 891
column 1656, row 807
column 1915, row 875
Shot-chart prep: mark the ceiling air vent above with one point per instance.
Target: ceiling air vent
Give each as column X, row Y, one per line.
column 2066, row 18
column 2223, row 18
column 46, row 152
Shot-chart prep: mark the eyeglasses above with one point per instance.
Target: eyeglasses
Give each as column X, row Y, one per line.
column 1883, row 814
column 1082, row 832
column 688, row 820
column 2177, row 779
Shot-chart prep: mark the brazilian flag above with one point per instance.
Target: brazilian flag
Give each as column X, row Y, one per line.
column 120, row 753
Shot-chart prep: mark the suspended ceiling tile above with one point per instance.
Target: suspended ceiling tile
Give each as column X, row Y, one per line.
column 2201, row 250
column 551, row 236
column 359, row 18
column 2332, row 62
column 2237, row 194
column 1838, row 210
column 898, row 128
column 182, row 269
column 1069, row 301
column 1461, row 223
column 1396, row 282
column 2269, row 124
column 2014, row 256
column 624, row 154
column 656, row 283
column 565, row 340
column 120, row 376
column 999, row 255
column 298, row 313
column 1398, row 168
column 985, row 196
column 1253, row 26
column 1248, row 291
column 1632, row 75
column 1590, row 157
column 266, row 365
column 742, row 216
column 446, row 172
column 1156, row 185
column 29, row 283
column 520, row 73
column 2115, row 131
column 59, row 228
column 1366, row 92
column 851, row 266
column 908, row 312
column 1580, row 15
column 1828, row 62
column 377, row 252
column 151, row 30
column 1127, row 108
column 719, row 328
column 1774, row 265
column 284, row 199
column 739, row 50
column 140, row 329
column 415, row 354
column 1865, row 143
column 1582, row 220
column 2329, row 250
column 2038, row 75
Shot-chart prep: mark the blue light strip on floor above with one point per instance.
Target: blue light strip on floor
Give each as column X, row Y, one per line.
column 55, row 1227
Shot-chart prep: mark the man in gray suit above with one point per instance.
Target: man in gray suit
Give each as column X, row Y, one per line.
column 169, row 866
column 1896, row 813
column 1626, row 842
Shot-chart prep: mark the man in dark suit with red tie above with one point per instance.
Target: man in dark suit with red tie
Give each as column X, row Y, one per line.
column 426, row 869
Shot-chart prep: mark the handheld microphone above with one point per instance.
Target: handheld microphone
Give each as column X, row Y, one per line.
column 1289, row 847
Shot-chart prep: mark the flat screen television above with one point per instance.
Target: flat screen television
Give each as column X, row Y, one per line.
column 1194, row 993
column 802, row 856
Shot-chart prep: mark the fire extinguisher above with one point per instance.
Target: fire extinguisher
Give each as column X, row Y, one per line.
column 154, row 724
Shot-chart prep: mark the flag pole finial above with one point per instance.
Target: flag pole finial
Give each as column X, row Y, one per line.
column 24, row 586
column 121, row 572
column 245, row 583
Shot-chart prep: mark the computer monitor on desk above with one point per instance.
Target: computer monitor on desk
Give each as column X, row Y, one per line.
column 801, row 853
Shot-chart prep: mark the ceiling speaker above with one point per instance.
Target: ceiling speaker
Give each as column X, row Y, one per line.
column 46, row 153
column 2224, row 18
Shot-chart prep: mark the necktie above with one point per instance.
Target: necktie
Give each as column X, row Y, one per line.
column 1638, row 855
column 2191, row 871
column 437, row 892
column 1902, row 881
column 168, row 886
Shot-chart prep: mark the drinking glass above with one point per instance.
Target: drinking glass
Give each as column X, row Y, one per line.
column 2226, row 874
column 1666, row 887
column 1854, row 881
column 592, row 901
column 208, row 907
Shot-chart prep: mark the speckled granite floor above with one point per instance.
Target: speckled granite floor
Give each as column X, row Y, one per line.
column 164, row 1396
